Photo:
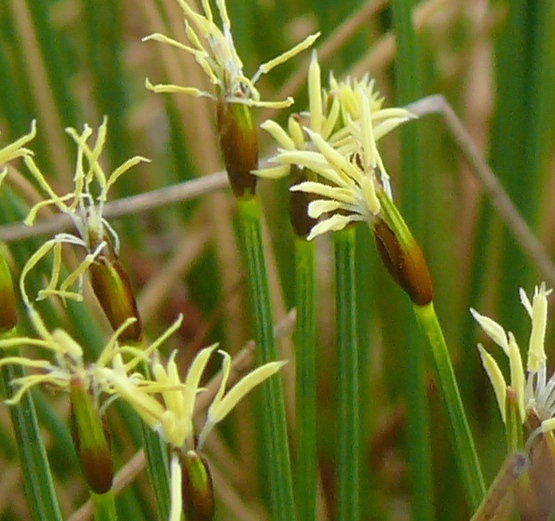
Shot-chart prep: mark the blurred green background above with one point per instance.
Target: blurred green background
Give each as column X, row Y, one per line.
column 67, row 62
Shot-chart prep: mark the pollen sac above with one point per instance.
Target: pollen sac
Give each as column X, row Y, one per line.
column 112, row 288
column 239, row 146
column 91, row 440
column 301, row 222
column 197, row 488
column 8, row 309
column 406, row 265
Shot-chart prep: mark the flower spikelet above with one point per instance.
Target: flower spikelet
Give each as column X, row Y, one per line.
column 85, row 206
column 8, row 309
column 166, row 403
column 66, row 364
column 338, row 144
column 16, row 149
column 213, row 48
column 532, row 388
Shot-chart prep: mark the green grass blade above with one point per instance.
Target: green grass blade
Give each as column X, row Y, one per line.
column 463, row 444
column 273, row 421
column 305, row 338
column 157, row 464
column 348, row 442
column 37, row 480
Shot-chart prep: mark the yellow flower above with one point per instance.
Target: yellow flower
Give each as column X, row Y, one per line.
column 532, row 389
column 68, row 365
column 16, row 149
column 339, row 145
column 8, row 309
column 214, row 50
column 172, row 415
column 85, row 205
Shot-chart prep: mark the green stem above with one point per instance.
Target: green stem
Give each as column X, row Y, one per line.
column 348, row 456
column 104, row 506
column 157, row 468
column 273, row 420
column 37, row 479
column 463, row 444
column 305, row 337
column 157, row 464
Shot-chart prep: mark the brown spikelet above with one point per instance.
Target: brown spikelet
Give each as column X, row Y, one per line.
column 197, row 488
column 8, row 306
column 239, row 146
column 406, row 265
column 113, row 290
column 91, row 440
column 301, row 222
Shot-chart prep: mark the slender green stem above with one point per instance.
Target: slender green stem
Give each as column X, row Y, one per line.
column 157, row 468
column 305, row 337
column 273, row 421
column 157, row 464
column 463, row 444
column 104, row 506
column 348, row 453
column 37, row 479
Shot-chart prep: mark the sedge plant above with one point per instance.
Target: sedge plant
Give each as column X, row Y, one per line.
column 337, row 180
column 214, row 50
column 353, row 186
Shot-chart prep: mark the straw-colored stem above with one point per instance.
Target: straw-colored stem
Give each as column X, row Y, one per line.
column 501, row 490
column 461, row 438
column 273, row 421
column 348, row 450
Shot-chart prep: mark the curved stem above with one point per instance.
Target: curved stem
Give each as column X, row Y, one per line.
column 461, row 438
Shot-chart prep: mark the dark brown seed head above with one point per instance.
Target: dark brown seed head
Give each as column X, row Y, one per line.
column 406, row 265
column 298, row 203
column 197, row 487
column 239, row 146
column 91, row 440
column 113, row 290
column 8, row 306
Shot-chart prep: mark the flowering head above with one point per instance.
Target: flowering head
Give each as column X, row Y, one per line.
column 66, row 367
column 172, row 416
column 16, row 149
column 530, row 388
column 338, row 144
column 67, row 372
column 8, row 310
column 167, row 405
column 85, row 206
column 214, row 50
